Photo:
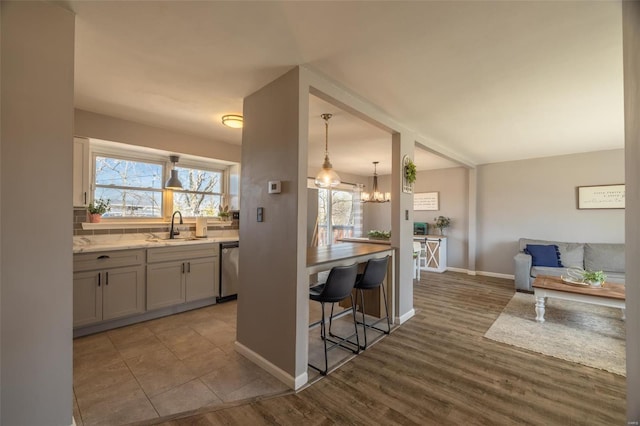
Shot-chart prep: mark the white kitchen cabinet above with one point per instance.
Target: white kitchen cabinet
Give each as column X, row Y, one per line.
column 178, row 275
column 201, row 273
column 107, row 285
column 165, row 284
column 81, row 175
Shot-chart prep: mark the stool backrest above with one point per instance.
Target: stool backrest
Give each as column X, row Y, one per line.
column 339, row 283
column 374, row 273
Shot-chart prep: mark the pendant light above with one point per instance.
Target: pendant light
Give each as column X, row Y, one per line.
column 375, row 196
column 327, row 177
column 173, row 182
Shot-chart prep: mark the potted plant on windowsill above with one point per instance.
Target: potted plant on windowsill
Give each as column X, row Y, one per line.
column 97, row 209
column 224, row 213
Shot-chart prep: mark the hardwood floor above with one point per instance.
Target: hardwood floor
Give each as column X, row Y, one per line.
column 438, row 369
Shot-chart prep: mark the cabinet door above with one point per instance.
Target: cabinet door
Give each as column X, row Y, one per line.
column 201, row 278
column 165, row 284
column 87, row 298
column 122, row 292
column 81, row 164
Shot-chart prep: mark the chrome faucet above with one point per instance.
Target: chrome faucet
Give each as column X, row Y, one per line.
column 173, row 233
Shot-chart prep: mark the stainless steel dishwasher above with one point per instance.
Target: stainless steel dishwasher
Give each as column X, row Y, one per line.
column 229, row 260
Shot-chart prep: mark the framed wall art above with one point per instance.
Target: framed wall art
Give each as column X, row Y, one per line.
column 601, row 197
column 426, row 201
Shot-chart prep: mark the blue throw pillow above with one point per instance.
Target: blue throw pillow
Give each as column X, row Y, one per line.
column 544, row 255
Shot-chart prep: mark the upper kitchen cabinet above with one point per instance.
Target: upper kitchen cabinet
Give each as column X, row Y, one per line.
column 81, row 174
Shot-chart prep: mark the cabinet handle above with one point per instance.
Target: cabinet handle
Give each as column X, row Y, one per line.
column 85, row 197
column 99, row 277
column 189, row 267
column 104, row 256
column 107, row 283
column 183, row 267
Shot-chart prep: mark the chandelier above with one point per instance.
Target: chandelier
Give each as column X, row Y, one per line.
column 375, row 196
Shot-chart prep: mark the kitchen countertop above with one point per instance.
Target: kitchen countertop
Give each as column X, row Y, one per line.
column 132, row 241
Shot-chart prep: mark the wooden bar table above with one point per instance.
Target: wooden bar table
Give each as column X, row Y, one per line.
column 343, row 254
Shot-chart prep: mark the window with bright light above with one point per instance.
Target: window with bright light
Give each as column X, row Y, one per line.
column 338, row 214
column 133, row 188
column 201, row 194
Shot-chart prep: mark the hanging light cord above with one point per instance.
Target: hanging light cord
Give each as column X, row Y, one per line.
column 327, row 163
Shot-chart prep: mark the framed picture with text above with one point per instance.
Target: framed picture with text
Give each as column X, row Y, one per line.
column 426, row 201
column 601, row 197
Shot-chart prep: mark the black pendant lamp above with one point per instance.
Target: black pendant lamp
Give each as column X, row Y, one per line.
column 173, row 182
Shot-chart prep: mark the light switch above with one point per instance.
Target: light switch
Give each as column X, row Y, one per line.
column 260, row 215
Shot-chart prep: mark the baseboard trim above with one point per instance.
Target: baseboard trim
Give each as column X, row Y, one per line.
column 294, row 383
column 496, row 275
column 406, row 316
column 482, row 273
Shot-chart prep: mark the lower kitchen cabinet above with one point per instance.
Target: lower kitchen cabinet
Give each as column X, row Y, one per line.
column 107, row 285
column 179, row 275
column 201, row 278
column 107, row 294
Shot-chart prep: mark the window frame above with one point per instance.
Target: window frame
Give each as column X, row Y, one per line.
column 122, row 151
column 120, row 155
column 198, row 165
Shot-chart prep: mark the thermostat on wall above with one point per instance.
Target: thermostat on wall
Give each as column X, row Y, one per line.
column 274, row 187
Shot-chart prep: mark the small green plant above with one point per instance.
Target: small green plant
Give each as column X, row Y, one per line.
column 99, row 206
column 410, row 171
column 379, row 235
column 223, row 212
column 442, row 222
column 594, row 276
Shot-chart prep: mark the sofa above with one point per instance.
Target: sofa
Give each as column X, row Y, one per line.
column 605, row 257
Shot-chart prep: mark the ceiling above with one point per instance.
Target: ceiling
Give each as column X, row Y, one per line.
column 480, row 81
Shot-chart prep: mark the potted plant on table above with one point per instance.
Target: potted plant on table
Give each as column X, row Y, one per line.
column 97, row 208
column 594, row 278
column 442, row 223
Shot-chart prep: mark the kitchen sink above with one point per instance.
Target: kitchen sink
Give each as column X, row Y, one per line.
column 171, row 240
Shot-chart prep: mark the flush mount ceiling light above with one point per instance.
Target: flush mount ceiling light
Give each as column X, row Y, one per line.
column 173, row 182
column 375, row 196
column 234, row 121
column 327, row 177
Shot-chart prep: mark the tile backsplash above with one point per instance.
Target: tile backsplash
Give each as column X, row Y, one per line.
column 80, row 215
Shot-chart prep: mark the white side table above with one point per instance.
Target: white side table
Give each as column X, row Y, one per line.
column 436, row 253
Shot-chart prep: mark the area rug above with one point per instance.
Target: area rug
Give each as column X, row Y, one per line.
column 578, row 332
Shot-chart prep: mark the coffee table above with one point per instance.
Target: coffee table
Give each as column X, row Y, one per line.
column 610, row 294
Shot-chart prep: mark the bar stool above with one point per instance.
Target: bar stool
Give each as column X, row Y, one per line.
column 372, row 278
column 339, row 286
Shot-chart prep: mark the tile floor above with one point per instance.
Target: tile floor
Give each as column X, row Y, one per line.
column 175, row 364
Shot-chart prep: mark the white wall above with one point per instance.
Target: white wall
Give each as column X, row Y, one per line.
column 452, row 186
column 273, row 254
column 537, row 199
column 453, row 194
column 631, row 43
column 36, row 166
column 99, row 126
